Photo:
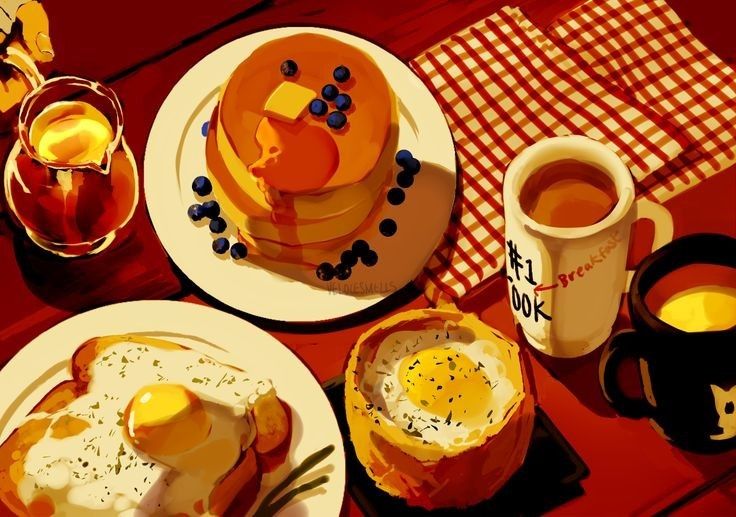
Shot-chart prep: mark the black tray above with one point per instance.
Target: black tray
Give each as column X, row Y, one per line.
column 549, row 477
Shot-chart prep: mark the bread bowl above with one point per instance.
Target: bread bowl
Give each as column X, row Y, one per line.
column 426, row 444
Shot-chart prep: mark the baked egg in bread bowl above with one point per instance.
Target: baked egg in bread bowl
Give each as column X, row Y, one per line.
column 439, row 407
column 145, row 427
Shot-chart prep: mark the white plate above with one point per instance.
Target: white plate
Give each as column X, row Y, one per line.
column 44, row 362
column 175, row 156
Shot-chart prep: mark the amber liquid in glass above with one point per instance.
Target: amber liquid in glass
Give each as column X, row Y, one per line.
column 72, row 132
column 70, row 211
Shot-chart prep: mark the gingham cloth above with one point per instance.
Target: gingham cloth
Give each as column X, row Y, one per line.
column 503, row 85
column 644, row 47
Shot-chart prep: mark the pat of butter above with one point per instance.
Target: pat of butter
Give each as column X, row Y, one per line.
column 288, row 102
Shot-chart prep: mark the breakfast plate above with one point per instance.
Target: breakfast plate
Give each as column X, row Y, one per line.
column 175, row 156
column 213, row 334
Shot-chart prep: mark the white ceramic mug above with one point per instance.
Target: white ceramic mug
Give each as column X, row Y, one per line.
column 565, row 284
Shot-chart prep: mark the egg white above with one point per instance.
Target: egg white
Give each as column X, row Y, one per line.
column 97, row 472
column 387, row 397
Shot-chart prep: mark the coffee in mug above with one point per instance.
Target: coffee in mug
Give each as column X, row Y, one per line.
column 568, row 194
column 683, row 309
column 569, row 206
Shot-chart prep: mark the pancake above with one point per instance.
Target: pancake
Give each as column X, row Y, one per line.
column 296, row 219
column 293, row 182
column 309, row 255
column 359, row 144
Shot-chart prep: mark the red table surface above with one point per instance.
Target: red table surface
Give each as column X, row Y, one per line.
column 712, row 501
column 632, row 469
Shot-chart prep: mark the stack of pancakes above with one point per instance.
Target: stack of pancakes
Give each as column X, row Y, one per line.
column 298, row 190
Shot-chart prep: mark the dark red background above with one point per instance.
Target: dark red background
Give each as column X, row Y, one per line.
column 141, row 48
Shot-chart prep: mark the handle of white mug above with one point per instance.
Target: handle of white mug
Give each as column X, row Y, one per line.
column 663, row 227
column 24, row 64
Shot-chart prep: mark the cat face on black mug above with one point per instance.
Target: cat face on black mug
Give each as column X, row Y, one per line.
column 683, row 309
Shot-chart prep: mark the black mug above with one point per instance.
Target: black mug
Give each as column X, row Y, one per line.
column 688, row 379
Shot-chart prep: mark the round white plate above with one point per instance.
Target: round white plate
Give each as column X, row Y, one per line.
column 44, row 362
column 175, row 156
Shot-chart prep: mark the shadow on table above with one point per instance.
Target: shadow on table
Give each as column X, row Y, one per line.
column 127, row 270
column 580, row 376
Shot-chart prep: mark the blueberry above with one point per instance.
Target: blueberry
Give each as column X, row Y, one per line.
column 396, row 196
column 348, row 258
column 412, row 166
column 403, row 157
column 239, row 251
column 211, row 209
column 387, row 227
column 220, row 245
column 343, row 102
column 202, row 186
column 195, row 212
column 405, row 179
column 370, row 258
column 343, row 271
column 329, row 92
column 341, row 74
column 360, row 247
column 318, row 107
column 325, row 271
column 337, row 120
column 218, row 225
column 205, row 128
column 289, row 68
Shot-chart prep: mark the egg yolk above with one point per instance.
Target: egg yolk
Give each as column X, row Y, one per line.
column 166, row 419
column 295, row 157
column 443, row 380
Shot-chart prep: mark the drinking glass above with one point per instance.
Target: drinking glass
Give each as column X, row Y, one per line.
column 70, row 179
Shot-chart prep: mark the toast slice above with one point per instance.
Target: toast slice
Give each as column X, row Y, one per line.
column 57, row 427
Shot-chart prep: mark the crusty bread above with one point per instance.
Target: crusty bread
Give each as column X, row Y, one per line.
column 13, row 451
column 427, row 474
column 238, row 487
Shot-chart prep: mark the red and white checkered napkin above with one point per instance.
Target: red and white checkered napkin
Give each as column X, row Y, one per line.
column 504, row 85
column 644, row 47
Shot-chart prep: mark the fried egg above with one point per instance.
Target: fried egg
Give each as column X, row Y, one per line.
column 155, row 432
column 443, row 386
